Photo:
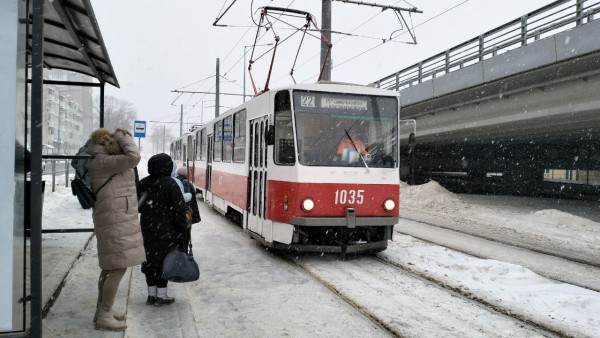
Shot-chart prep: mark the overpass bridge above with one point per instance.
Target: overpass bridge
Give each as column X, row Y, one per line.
column 515, row 110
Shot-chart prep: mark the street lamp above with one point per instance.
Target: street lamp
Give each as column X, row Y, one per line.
column 244, row 65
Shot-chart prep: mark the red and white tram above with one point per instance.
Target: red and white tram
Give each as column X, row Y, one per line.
column 306, row 167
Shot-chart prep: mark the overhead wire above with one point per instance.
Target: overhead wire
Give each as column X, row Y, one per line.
column 235, row 46
column 342, row 38
column 212, row 74
column 344, row 35
column 422, row 23
column 379, row 45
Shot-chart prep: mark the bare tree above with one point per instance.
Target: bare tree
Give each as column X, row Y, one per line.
column 118, row 113
column 160, row 137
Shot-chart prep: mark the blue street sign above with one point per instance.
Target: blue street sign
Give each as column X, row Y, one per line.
column 139, row 129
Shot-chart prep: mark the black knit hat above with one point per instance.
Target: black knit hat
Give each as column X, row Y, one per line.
column 160, row 165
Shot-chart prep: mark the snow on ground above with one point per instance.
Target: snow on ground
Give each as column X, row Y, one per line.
column 545, row 229
column 563, row 307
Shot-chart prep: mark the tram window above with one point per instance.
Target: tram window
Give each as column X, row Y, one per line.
column 256, row 144
column 189, row 155
column 284, row 139
column 260, row 200
column 218, row 145
column 204, row 147
column 239, row 136
column 198, row 146
column 251, row 152
column 227, row 139
column 327, row 124
column 179, row 149
column 264, row 212
column 255, row 193
column 262, row 147
column 284, row 152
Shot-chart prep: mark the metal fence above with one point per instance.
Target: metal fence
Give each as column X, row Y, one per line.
column 59, row 168
column 549, row 20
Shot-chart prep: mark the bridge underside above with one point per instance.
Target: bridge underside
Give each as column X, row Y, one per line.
column 535, row 133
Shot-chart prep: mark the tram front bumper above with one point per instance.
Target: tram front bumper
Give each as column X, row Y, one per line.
column 350, row 221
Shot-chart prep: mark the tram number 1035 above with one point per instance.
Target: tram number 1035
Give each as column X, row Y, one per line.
column 349, row 196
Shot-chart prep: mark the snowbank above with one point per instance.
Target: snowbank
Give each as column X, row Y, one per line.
column 536, row 227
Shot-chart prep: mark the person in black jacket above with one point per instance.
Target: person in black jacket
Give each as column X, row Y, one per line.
column 164, row 228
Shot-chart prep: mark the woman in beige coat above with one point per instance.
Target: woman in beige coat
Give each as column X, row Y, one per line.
column 116, row 225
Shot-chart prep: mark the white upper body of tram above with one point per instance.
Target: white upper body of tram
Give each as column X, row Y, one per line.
column 306, row 167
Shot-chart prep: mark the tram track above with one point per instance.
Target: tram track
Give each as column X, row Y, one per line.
column 582, row 274
column 517, row 244
column 390, row 278
column 391, row 331
column 475, row 300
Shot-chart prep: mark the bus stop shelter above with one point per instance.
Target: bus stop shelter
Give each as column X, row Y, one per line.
column 35, row 35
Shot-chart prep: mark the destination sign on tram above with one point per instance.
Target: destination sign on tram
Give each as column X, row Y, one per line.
column 339, row 103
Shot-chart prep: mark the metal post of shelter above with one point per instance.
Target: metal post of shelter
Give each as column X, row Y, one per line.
column 35, row 214
column 102, row 105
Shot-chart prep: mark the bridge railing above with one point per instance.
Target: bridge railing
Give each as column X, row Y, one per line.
column 549, row 20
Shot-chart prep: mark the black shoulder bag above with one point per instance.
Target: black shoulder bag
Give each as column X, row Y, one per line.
column 86, row 197
column 180, row 267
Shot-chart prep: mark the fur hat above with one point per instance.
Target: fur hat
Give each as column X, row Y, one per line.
column 104, row 138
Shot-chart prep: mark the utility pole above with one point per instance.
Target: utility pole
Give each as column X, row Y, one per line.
column 164, row 141
column 217, row 78
column 181, row 122
column 244, row 84
column 326, row 29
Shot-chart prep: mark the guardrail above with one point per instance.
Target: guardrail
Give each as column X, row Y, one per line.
column 549, row 20
column 52, row 165
column 50, row 168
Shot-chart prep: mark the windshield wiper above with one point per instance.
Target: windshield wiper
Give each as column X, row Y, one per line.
column 357, row 150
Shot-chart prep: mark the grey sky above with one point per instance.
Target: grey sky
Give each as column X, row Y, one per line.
column 158, row 46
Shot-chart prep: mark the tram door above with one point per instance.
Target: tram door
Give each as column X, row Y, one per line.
column 209, row 155
column 190, row 155
column 257, row 175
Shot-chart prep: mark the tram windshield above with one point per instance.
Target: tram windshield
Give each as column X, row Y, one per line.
column 346, row 130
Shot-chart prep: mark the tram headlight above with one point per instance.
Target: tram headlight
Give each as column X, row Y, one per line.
column 308, row 204
column 389, row 204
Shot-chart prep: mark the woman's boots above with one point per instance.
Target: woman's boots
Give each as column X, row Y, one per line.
column 118, row 316
column 105, row 318
column 106, row 321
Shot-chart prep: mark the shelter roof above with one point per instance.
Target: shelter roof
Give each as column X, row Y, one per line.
column 72, row 40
